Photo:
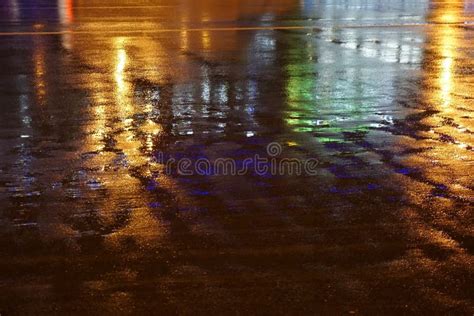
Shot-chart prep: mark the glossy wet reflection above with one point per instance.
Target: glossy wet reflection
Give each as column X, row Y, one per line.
column 378, row 91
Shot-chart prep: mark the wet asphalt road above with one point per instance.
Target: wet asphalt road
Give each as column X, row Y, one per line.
column 380, row 92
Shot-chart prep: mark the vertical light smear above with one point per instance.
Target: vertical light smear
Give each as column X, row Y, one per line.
column 66, row 12
column 184, row 40
column 205, row 40
column 119, row 71
column 447, row 51
column 66, row 17
column 184, row 36
column 122, row 88
column 40, row 69
column 14, row 10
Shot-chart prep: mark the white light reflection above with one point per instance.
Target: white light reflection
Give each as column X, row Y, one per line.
column 14, row 9
column 122, row 87
column 66, row 17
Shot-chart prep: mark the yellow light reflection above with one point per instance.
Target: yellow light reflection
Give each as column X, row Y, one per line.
column 123, row 121
column 119, row 69
column 444, row 164
column 184, row 40
column 448, row 18
column 447, row 51
column 206, row 40
column 122, row 89
column 184, row 34
column 40, row 68
column 446, row 80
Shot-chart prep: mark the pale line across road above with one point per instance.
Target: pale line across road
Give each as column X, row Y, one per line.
column 219, row 29
column 171, row 30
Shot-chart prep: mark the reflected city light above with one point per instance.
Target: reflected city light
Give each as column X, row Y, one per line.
column 206, row 40
column 122, row 85
column 447, row 51
column 184, row 40
column 40, row 69
column 119, row 69
column 66, row 17
column 66, row 11
column 14, row 10
column 445, row 43
column 103, row 99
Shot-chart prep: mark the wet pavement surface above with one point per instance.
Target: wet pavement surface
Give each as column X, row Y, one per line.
column 380, row 92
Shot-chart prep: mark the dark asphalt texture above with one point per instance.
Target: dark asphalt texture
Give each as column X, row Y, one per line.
column 94, row 93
